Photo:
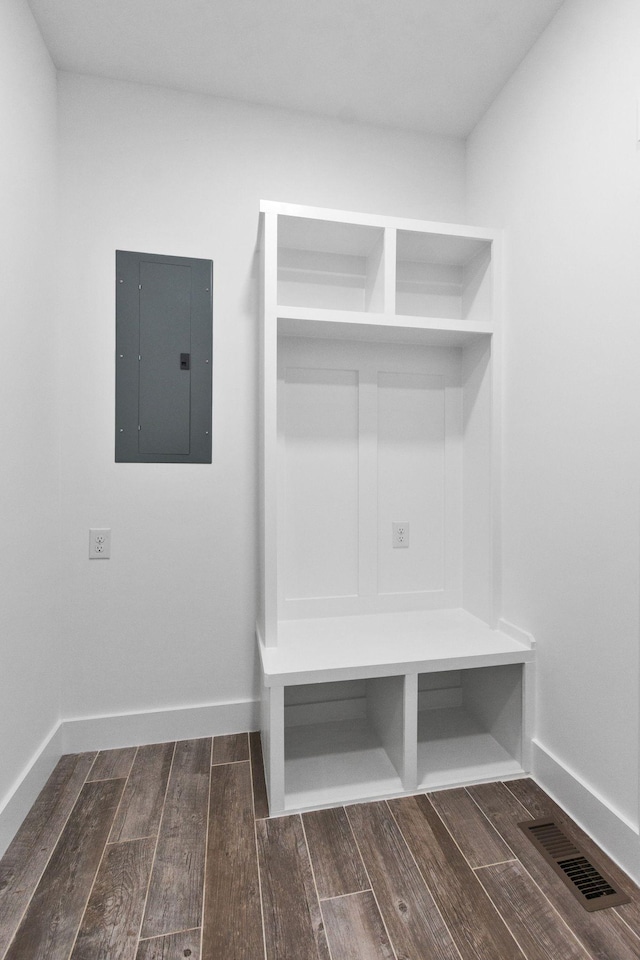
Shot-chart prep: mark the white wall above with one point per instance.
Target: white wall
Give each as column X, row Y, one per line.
column 28, row 433
column 555, row 161
column 169, row 620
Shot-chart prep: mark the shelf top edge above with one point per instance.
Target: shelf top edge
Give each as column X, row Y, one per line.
column 356, row 647
column 283, row 675
column 322, row 315
column 378, row 220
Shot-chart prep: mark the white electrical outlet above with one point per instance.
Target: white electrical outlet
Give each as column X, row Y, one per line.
column 100, row 543
column 400, row 533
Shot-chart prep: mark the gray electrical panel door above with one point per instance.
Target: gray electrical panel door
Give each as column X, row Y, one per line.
column 163, row 358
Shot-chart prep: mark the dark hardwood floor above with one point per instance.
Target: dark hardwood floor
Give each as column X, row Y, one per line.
column 166, row 852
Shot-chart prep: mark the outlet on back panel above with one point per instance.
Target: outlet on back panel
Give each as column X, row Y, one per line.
column 400, row 533
column 100, row 543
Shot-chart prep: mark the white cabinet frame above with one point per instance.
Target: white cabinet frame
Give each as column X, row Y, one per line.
column 330, row 274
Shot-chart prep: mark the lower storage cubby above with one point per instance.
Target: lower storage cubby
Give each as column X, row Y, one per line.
column 343, row 741
column 342, row 724
column 472, row 729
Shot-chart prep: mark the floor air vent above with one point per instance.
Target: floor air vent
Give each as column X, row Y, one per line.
column 585, row 879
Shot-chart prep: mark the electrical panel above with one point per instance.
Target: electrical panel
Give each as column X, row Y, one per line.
column 164, row 314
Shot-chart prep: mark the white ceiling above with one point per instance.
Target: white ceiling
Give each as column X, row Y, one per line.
column 430, row 65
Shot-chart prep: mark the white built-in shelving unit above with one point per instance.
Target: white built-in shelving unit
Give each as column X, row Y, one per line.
column 385, row 669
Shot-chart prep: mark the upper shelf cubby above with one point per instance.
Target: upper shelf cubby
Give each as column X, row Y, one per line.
column 440, row 275
column 378, row 276
column 330, row 265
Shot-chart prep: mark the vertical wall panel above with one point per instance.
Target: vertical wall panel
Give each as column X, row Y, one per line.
column 369, row 434
column 477, row 481
column 320, row 483
column 411, row 434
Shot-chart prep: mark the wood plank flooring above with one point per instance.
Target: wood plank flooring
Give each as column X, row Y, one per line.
column 166, row 852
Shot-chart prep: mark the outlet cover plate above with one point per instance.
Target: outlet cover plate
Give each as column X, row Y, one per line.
column 100, row 543
column 400, row 533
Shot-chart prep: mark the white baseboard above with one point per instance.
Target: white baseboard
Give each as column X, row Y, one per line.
column 121, row 730
column 22, row 795
column 158, row 726
column 610, row 829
